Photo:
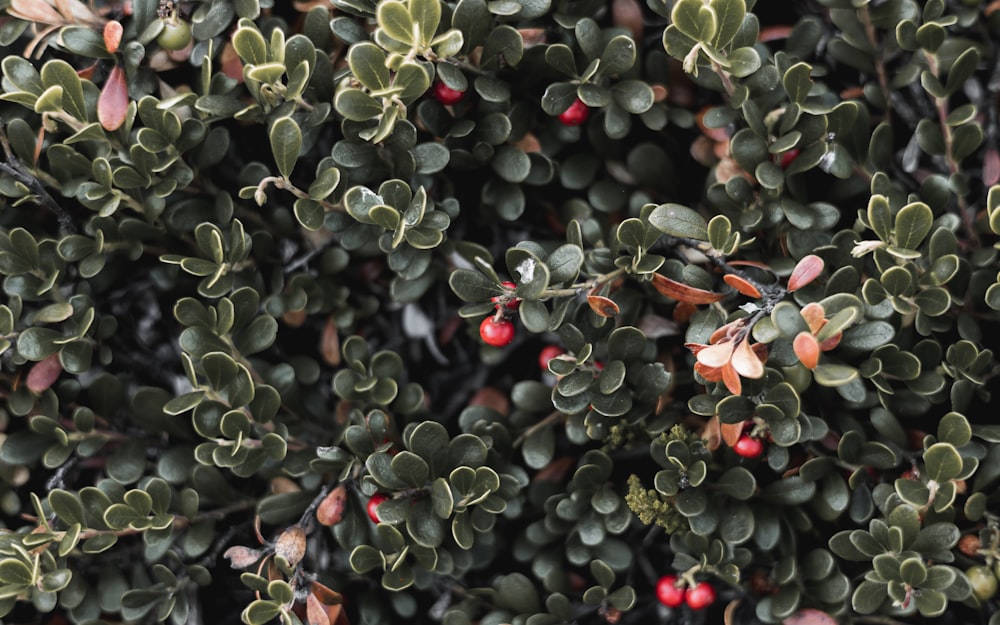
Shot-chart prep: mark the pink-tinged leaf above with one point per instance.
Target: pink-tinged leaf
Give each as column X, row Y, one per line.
column 113, row 35
column 810, row 616
column 715, row 355
column 815, row 316
column 746, row 362
column 44, row 373
column 628, row 14
column 87, row 73
column 112, row 105
column 35, row 11
column 741, row 284
column 316, row 612
column 331, row 510
column 726, row 332
column 805, row 272
column 731, row 379
column 682, row 292
column 991, row 167
column 242, row 557
column 828, row 344
column 806, row 348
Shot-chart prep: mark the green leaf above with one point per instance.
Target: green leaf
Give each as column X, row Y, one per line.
column 413, row 80
column 943, row 462
column 618, row 56
column 356, row 105
column 260, row 612
column 427, row 14
column 286, row 141
column 912, row 224
column 396, row 21
column 367, row 62
column 679, row 221
column 869, row 596
column 250, row 45
column 743, row 61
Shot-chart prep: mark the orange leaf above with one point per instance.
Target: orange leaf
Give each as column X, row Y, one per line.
column 746, row 362
column 603, row 306
column 740, row 284
column 316, row 613
column 44, row 373
column 331, row 509
column 325, row 594
column 329, row 343
column 682, row 292
column 712, row 434
column 112, row 104
column 815, row 316
column 805, row 272
column 715, row 355
column 113, row 35
column 731, row 432
column 712, row 374
column 731, row 379
column 806, row 348
column 683, row 311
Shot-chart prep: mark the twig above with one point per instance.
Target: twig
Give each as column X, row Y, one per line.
column 19, row 172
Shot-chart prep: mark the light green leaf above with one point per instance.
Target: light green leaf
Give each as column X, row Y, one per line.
column 286, row 141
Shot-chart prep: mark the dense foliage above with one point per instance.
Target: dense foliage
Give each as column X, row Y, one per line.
column 499, row 311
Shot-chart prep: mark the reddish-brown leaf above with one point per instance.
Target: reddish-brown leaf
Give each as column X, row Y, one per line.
column 316, row 612
column 492, row 398
column 731, row 432
column 712, row 374
column 44, row 374
column 741, row 284
column 805, row 272
column 827, row 344
column 682, row 292
column 532, row 36
column 746, row 362
column 113, row 35
column 712, row 435
column 806, row 348
column 325, row 594
column 331, row 510
column 731, row 379
column 991, row 167
column 603, row 306
column 683, row 312
column 87, row 73
column 330, row 344
column 291, row 544
column 774, row 33
column 628, row 14
column 815, row 316
column 112, row 104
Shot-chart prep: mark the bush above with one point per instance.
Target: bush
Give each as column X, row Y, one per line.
column 499, row 311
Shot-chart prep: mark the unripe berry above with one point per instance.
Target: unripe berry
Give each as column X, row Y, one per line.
column 496, row 333
column 446, row 95
column 576, row 114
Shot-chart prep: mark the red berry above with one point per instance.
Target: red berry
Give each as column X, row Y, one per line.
column 446, row 95
column 748, row 447
column 373, row 504
column 548, row 353
column 576, row 114
column 496, row 333
column 700, row 596
column 788, row 157
column 668, row 593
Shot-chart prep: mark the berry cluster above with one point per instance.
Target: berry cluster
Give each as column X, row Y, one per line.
column 672, row 592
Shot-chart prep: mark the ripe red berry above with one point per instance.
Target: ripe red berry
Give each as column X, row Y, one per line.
column 700, row 596
column 668, row 593
column 496, row 333
column 548, row 353
column 373, row 504
column 446, row 95
column 749, row 447
column 576, row 114
column 788, row 157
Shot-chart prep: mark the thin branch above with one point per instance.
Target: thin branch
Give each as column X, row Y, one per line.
column 19, row 172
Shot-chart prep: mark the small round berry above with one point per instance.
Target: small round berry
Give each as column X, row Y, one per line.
column 446, row 95
column 983, row 582
column 700, row 596
column 496, row 333
column 788, row 157
column 176, row 34
column 748, row 447
column 576, row 114
column 373, row 505
column 668, row 593
column 548, row 353
column 970, row 544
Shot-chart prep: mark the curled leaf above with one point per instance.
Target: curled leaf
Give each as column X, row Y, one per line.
column 603, row 306
column 746, row 362
column 682, row 292
column 805, row 272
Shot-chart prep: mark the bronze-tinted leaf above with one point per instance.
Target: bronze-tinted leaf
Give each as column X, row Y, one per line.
column 806, row 349
column 741, row 284
column 603, row 306
column 731, row 379
column 330, row 343
column 44, row 373
column 113, row 35
column 331, row 509
column 682, row 292
column 241, row 557
column 291, row 545
column 815, row 316
column 805, row 272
